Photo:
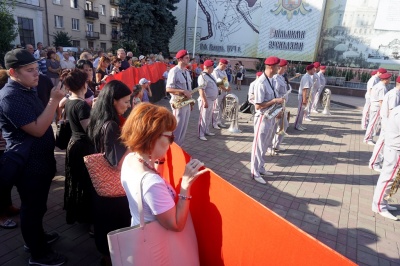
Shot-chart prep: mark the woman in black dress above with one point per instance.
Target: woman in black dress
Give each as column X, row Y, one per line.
column 101, row 71
column 104, row 131
column 78, row 186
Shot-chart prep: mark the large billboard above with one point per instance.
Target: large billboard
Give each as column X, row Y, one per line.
column 250, row 28
column 361, row 33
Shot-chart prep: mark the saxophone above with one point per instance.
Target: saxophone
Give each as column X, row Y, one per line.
column 395, row 185
column 181, row 101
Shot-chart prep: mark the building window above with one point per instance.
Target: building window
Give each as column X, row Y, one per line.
column 102, row 10
column 103, row 28
column 75, row 24
column 89, row 5
column 103, row 46
column 89, row 27
column 58, row 20
column 26, row 32
column 76, row 43
column 57, row 2
column 90, row 45
column 74, row 3
column 113, row 12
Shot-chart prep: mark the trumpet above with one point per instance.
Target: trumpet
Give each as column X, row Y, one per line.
column 181, row 101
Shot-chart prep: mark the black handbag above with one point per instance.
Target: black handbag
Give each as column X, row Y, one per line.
column 63, row 134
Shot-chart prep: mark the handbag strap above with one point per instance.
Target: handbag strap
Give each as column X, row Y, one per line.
column 140, row 201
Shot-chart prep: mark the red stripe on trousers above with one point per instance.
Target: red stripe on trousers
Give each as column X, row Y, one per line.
column 384, row 188
column 255, row 141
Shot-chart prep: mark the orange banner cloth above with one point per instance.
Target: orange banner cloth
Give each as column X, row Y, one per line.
column 234, row 229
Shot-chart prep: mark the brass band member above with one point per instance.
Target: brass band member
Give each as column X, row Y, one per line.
column 306, row 84
column 208, row 95
column 219, row 73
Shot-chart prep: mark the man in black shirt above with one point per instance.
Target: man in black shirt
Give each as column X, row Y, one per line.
column 122, row 55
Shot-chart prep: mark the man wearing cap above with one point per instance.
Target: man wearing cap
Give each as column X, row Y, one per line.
column 179, row 83
column 390, row 101
column 371, row 82
column 142, row 60
column 313, row 92
column 264, row 98
column 281, row 88
column 322, row 82
column 219, row 73
column 390, row 168
column 208, row 94
column 29, row 161
column 146, row 89
column 378, row 91
column 306, row 84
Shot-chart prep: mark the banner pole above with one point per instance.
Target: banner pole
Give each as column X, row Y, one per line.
column 195, row 27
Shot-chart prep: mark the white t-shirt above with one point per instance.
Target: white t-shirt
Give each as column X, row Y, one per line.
column 305, row 82
column 158, row 195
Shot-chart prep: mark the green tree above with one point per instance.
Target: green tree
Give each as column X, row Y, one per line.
column 8, row 31
column 62, row 38
column 149, row 24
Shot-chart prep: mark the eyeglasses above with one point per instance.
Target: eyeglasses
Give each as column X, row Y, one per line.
column 170, row 137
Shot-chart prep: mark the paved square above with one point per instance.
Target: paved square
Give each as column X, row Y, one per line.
column 321, row 184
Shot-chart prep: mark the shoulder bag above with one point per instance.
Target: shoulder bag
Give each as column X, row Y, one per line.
column 64, row 133
column 150, row 244
column 106, row 178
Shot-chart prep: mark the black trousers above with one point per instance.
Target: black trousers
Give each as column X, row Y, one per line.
column 33, row 187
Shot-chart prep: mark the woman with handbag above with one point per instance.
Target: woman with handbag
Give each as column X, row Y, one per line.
column 78, row 186
column 104, row 130
column 148, row 133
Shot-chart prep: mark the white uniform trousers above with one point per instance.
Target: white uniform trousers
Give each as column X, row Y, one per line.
column 309, row 104
column 316, row 99
column 300, row 113
column 263, row 128
column 377, row 155
column 365, row 114
column 278, row 138
column 205, row 117
column 182, row 116
column 374, row 121
column 389, row 170
column 216, row 116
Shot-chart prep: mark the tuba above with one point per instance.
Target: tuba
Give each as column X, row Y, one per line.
column 181, row 101
column 326, row 102
column 230, row 112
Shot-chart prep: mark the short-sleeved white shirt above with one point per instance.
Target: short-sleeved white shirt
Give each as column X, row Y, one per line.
column 305, row 82
column 322, row 80
column 378, row 91
column 371, row 82
column 179, row 79
column 210, row 85
column 280, row 86
column 390, row 101
column 158, row 195
column 251, row 92
column 263, row 91
column 392, row 131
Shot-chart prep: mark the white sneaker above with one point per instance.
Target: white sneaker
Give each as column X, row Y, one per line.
column 203, row 138
column 210, row 134
column 266, row 173
column 299, row 128
column 315, row 111
column 303, row 127
column 271, row 152
column 280, row 149
column 388, row 215
column 216, row 127
column 307, row 119
column 222, row 125
column 260, row 180
column 370, row 142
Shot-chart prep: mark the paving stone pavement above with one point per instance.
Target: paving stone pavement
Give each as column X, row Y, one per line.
column 321, row 184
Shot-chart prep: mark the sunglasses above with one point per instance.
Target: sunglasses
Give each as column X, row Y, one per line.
column 170, row 137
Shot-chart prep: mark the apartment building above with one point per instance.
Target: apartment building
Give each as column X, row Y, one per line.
column 92, row 24
column 28, row 15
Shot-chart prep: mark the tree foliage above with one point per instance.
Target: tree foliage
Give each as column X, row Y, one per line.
column 62, row 38
column 150, row 24
column 8, row 31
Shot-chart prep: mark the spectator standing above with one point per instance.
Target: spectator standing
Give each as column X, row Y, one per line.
column 30, row 48
column 116, row 65
column 101, row 71
column 53, row 67
column 97, row 60
column 59, row 53
column 87, row 67
column 37, row 53
column 65, row 63
column 146, row 89
column 122, row 55
column 43, row 62
column 25, row 122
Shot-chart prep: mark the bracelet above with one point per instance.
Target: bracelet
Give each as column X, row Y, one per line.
column 184, row 197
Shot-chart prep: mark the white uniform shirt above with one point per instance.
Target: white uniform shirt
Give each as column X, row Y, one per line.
column 392, row 131
column 322, row 80
column 263, row 92
column 219, row 74
column 305, row 82
column 179, row 79
column 378, row 91
column 371, row 82
column 390, row 101
column 210, row 85
column 280, row 86
column 251, row 92
column 316, row 83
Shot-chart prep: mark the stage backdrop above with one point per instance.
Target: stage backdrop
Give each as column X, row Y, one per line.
column 234, row 229
column 253, row 28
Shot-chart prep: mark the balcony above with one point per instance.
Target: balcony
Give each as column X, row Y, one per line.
column 91, row 14
column 114, row 2
column 91, row 35
column 115, row 20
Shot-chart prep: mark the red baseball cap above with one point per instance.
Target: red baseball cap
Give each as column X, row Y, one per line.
column 283, row 63
column 181, row 53
column 223, row 61
column 208, row 63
